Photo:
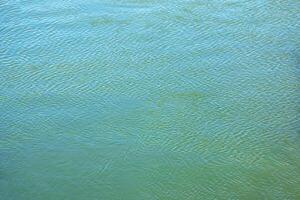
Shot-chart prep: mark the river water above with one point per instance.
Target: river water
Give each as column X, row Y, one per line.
column 149, row 100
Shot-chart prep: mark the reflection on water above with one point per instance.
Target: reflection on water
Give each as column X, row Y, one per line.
column 146, row 99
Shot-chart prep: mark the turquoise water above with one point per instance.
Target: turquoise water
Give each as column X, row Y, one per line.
column 149, row 100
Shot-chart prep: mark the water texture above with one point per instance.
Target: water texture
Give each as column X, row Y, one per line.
column 149, row 100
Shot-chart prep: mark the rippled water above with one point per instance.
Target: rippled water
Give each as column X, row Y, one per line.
column 148, row 99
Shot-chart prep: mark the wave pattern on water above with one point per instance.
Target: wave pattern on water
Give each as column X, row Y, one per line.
column 147, row 99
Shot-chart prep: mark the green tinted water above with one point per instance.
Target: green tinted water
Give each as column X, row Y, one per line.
column 146, row 99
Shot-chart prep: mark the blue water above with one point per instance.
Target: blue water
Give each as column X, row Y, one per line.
column 149, row 100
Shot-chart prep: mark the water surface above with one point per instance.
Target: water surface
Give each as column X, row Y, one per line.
column 149, row 100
